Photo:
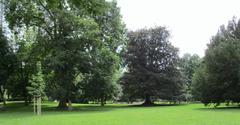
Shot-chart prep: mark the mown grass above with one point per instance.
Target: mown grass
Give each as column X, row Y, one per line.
column 116, row 114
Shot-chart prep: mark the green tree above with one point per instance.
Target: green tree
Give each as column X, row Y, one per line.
column 37, row 84
column 68, row 33
column 102, row 84
column 6, row 65
column 188, row 64
column 36, row 88
column 152, row 66
column 64, row 35
column 27, row 57
column 221, row 80
column 199, row 84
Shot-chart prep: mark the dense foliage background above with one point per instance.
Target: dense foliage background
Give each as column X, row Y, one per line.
column 80, row 51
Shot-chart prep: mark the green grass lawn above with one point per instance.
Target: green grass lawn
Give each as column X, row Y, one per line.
column 192, row 114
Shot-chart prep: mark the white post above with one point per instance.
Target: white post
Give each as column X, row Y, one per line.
column 39, row 105
column 34, row 105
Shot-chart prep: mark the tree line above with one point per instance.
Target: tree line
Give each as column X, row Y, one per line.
column 81, row 51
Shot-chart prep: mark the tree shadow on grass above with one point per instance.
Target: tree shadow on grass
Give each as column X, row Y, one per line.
column 217, row 109
column 77, row 108
column 19, row 110
column 157, row 105
column 16, row 106
column 80, row 109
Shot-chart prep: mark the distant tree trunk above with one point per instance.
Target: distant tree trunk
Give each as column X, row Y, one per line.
column 24, row 81
column 102, row 101
column 179, row 102
column 148, row 100
column 25, row 95
column 2, row 95
column 34, row 105
column 8, row 96
column 26, row 101
column 70, row 105
column 4, row 101
column 29, row 99
column 62, row 104
column 175, row 102
column 130, row 100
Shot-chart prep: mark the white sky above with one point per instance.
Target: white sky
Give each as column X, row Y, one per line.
column 191, row 22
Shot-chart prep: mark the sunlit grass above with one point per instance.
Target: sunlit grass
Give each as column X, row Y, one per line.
column 120, row 114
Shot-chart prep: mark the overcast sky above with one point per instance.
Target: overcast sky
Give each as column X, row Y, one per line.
column 191, row 22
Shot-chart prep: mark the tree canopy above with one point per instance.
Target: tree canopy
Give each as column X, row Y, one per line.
column 152, row 66
column 73, row 38
column 217, row 81
column 6, row 64
column 188, row 65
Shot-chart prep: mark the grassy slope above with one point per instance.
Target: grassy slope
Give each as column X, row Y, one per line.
column 194, row 114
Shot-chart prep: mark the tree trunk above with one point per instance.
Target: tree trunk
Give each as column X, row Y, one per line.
column 70, row 105
column 102, row 101
column 39, row 105
column 26, row 101
column 25, row 95
column 24, row 81
column 8, row 96
column 62, row 104
column 34, row 105
column 4, row 101
column 148, row 100
column 2, row 95
column 179, row 102
column 29, row 100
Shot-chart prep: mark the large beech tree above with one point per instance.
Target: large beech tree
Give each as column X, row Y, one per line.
column 152, row 66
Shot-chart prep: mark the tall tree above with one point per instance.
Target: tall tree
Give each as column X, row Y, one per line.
column 37, row 87
column 106, row 62
column 68, row 33
column 188, row 64
column 6, row 64
column 221, row 82
column 27, row 57
column 152, row 66
column 102, row 83
column 200, row 84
